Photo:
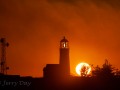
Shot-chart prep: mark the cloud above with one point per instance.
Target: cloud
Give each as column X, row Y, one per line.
column 113, row 3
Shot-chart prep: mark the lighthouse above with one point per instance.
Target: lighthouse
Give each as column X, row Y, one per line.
column 61, row 70
column 64, row 57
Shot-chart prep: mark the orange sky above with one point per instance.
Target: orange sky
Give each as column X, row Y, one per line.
column 34, row 28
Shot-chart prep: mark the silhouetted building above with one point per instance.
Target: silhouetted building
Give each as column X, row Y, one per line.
column 62, row 69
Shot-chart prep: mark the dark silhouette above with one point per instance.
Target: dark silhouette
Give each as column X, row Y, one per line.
column 3, row 63
column 61, row 70
column 106, row 71
column 84, row 71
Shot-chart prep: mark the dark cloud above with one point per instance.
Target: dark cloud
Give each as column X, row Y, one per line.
column 112, row 3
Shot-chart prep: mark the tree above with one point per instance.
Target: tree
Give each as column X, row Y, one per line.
column 117, row 73
column 106, row 71
column 84, row 71
column 97, row 71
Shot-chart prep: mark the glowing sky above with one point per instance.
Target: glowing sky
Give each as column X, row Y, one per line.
column 34, row 28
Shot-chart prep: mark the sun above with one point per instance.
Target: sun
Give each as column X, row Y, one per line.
column 83, row 69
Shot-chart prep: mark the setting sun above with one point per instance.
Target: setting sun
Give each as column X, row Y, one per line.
column 83, row 69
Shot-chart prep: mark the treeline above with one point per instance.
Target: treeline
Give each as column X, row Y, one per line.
column 106, row 71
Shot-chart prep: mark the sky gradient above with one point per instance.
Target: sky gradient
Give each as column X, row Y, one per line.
column 34, row 28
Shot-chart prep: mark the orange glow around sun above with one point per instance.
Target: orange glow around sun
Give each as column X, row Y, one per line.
column 80, row 66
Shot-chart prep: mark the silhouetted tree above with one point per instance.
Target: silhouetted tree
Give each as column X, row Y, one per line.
column 97, row 71
column 117, row 73
column 106, row 71
column 84, row 71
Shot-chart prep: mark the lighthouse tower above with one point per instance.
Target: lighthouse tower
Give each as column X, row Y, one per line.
column 64, row 57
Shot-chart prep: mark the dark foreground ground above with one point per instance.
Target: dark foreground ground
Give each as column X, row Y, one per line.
column 71, row 83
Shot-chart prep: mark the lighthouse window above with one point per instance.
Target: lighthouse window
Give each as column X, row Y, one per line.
column 64, row 45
